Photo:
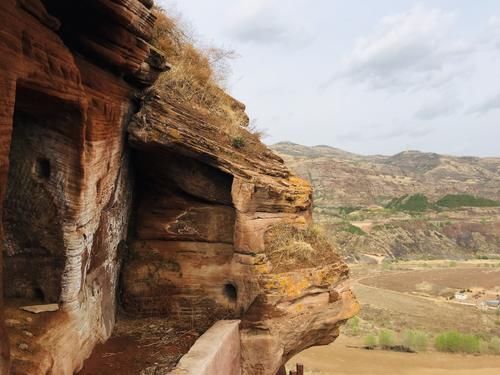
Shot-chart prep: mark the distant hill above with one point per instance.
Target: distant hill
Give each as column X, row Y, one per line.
column 412, row 205
column 342, row 178
column 294, row 149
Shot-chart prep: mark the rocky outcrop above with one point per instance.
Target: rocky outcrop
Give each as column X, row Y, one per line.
column 113, row 191
column 68, row 74
column 235, row 196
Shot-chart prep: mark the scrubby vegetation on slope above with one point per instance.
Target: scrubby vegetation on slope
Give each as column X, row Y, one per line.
column 349, row 228
column 465, row 200
column 415, row 203
column 420, row 203
column 289, row 247
column 198, row 76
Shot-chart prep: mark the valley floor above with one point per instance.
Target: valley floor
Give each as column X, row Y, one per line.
column 339, row 359
column 411, row 296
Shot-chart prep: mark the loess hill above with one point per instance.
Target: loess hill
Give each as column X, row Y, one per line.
column 412, row 205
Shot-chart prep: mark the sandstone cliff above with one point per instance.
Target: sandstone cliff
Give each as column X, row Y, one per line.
column 117, row 193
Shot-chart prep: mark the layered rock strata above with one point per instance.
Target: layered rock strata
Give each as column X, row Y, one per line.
column 68, row 75
column 207, row 238
column 111, row 193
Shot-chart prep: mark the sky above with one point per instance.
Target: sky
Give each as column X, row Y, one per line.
column 366, row 76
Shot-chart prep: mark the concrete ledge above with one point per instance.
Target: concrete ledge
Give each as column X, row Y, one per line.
column 216, row 352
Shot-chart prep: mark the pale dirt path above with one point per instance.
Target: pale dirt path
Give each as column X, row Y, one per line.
column 337, row 359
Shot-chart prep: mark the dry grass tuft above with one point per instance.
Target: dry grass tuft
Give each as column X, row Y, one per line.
column 198, row 75
column 289, row 248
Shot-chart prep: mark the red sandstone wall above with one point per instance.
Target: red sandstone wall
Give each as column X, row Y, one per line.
column 89, row 183
column 84, row 62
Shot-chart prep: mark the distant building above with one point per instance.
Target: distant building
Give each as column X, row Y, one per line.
column 493, row 303
column 460, row 296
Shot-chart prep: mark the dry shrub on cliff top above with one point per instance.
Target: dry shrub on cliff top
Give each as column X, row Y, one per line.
column 198, row 74
column 289, row 248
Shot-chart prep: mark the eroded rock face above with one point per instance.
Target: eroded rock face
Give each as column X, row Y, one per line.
column 295, row 311
column 68, row 73
column 174, row 202
column 283, row 311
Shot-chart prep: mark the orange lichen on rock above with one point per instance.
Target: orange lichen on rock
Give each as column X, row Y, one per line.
column 115, row 192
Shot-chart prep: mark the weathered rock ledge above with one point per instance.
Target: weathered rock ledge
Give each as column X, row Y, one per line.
column 116, row 196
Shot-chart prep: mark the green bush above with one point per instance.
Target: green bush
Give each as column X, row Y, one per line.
column 353, row 325
column 465, row 200
column 386, row 338
column 370, row 341
column 456, row 342
column 415, row 340
column 348, row 227
column 238, row 142
column 448, row 342
column 494, row 345
column 471, row 344
column 386, row 266
column 412, row 203
column 484, row 347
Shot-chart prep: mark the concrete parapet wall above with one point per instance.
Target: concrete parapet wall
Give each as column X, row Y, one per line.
column 216, row 352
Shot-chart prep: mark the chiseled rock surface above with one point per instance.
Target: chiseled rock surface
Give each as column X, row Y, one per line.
column 282, row 313
column 170, row 219
column 66, row 94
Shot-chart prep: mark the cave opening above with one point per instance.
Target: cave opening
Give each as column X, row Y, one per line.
column 231, row 292
column 43, row 168
column 33, row 208
column 181, row 238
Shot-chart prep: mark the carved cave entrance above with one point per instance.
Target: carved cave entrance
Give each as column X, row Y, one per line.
column 180, row 263
column 42, row 156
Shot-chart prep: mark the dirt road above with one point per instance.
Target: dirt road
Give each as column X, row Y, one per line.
column 337, row 359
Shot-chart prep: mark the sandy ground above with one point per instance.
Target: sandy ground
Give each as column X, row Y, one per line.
column 457, row 278
column 402, row 310
column 388, row 301
column 337, row 359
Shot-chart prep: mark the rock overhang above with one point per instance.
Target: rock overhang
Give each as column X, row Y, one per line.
column 200, row 229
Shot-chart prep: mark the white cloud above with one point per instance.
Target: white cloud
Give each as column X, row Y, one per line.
column 407, row 51
column 402, row 131
column 443, row 106
column 494, row 31
column 257, row 22
column 488, row 105
column 494, row 21
column 381, row 132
